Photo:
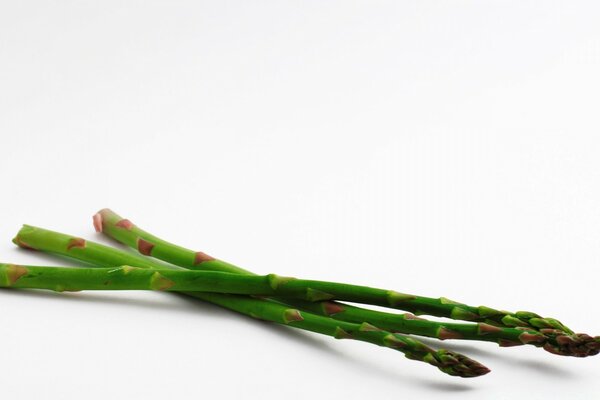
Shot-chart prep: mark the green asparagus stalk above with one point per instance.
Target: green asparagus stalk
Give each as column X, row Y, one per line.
column 551, row 340
column 133, row 278
column 515, row 328
column 123, row 230
column 53, row 242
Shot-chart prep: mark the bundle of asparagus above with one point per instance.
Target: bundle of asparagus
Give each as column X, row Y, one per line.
column 305, row 304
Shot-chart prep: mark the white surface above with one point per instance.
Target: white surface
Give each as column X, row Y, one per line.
column 441, row 148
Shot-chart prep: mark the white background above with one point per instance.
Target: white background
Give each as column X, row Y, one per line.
column 434, row 147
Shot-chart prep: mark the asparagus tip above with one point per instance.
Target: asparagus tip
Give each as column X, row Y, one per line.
column 456, row 364
column 576, row 345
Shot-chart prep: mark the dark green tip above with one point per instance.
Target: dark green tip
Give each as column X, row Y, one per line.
column 459, row 365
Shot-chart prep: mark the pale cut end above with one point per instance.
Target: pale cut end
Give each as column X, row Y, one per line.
column 97, row 219
column 200, row 257
column 144, row 247
column 106, row 211
column 19, row 242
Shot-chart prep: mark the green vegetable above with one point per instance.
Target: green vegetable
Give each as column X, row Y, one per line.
column 53, row 242
column 133, row 278
column 517, row 328
column 123, row 230
column 305, row 304
column 552, row 340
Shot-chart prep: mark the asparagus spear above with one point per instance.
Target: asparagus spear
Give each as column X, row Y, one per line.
column 528, row 324
column 133, row 278
column 552, row 340
column 53, row 242
column 123, row 230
